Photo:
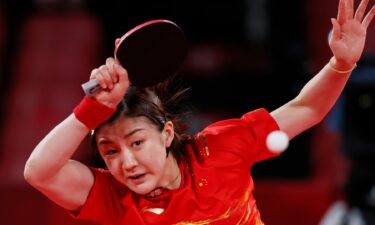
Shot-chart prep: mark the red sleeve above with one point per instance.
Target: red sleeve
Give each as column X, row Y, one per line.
column 103, row 201
column 242, row 139
column 261, row 123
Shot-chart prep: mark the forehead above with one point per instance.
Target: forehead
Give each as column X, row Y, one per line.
column 125, row 125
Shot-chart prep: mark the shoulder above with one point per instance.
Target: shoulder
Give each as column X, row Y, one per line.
column 243, row 136
column 256, row 121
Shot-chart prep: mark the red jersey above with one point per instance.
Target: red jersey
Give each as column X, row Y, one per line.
column 216, row 183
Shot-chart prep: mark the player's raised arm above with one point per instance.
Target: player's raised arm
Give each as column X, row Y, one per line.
column 49, row 167
column 320, row 94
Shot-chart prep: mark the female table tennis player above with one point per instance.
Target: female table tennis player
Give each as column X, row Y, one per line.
column 156, row 175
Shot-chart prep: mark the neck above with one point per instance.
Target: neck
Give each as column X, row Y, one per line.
column 173, row 175
column 175, row 183
column 172, row 180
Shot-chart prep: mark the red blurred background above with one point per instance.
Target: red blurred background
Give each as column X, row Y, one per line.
column 243, row 55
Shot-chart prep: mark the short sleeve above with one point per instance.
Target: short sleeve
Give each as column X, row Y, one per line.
column 241, row 138
column 102, row 202
column 262, row 124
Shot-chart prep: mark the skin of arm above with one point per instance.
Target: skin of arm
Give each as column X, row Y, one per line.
column 49, row 165
column 319, row 95
column 50, row 168
column 314, row 101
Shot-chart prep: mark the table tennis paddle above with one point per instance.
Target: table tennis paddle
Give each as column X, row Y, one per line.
column 150, row 52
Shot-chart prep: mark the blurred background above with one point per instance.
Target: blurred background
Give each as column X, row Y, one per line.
column 243, row 55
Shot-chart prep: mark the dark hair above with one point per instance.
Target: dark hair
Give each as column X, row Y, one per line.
column 159, row 104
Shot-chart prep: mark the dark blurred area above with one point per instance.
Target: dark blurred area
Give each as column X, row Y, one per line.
column 243, row 55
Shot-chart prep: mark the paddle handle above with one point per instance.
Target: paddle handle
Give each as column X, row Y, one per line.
column 91, row 87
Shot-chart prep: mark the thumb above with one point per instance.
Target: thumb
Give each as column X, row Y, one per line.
column 122, row 73
column 335, row 30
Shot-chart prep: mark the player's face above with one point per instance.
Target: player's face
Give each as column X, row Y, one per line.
column 134, row 150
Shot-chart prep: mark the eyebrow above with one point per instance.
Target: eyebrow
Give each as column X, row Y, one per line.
column 106, row 141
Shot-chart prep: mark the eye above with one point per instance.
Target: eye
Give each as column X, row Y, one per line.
column 111, row 152
column 137, row 143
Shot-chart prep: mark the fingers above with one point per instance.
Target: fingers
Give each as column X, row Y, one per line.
column 122, row 73
column 103, row 77
column 106, row 75
column 367, row 20
column 341, row 15
column 346, row 10
column 349, row 9
column 361, row 10
column 110, row 65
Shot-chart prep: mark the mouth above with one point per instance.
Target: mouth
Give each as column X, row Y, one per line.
column 138, row 178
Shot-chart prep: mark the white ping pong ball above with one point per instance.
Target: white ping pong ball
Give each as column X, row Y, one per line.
column 277, row 141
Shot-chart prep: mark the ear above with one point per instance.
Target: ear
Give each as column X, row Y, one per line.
column 168, row 133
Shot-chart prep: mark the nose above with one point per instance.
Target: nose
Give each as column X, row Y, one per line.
column 129, row 161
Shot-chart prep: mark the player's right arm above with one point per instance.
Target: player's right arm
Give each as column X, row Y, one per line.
column 50, row 168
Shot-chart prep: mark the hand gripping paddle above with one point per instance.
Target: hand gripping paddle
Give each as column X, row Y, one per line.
column 150, row 52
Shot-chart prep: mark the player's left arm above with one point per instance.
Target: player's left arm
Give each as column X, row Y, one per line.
column 319, row 95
